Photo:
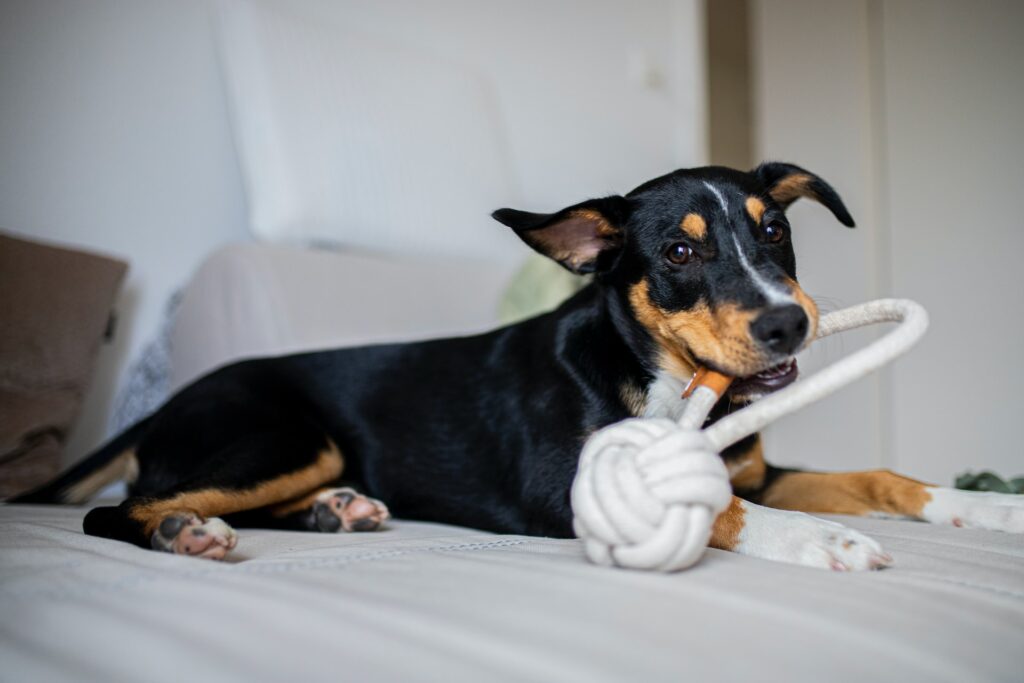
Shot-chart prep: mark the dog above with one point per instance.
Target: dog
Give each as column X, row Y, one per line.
column 694, row 268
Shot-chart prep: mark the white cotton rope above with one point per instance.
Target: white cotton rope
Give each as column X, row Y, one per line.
column 648, row 490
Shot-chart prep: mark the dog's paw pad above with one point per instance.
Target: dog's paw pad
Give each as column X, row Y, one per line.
column 976, row 510
column 189, row 534
column 841, row 549
column 346, row 510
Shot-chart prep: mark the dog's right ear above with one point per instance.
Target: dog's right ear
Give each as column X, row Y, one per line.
column 584, row 237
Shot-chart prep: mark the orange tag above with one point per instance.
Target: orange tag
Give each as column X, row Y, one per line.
column 715, row 381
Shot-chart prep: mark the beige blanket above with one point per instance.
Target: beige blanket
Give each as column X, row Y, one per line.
column 426, row 602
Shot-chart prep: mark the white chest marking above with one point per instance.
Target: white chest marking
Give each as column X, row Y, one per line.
column 664, row 397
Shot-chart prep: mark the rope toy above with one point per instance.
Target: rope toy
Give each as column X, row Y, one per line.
column 648, row 490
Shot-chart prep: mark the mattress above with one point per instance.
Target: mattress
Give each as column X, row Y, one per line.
column 429, row 602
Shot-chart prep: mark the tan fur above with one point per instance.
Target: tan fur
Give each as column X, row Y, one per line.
column 694, row 225
column 720, row 337
column 124, row 466
column 791, row 187
column 747, row 471
column 848, row 493
column 216, row 502
column 634, row 398
column 807, row 303
column 604, row 228
column 725, row 535
column 755, row 207
column 303, row 502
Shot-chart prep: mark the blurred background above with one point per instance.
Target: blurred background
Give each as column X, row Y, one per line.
column 313, row 173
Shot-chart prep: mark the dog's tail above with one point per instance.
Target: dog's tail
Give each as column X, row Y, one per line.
column 114, row 460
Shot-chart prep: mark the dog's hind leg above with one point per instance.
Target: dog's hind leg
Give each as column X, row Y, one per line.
column 255, row 471
column 329, row 509
column 886, row 494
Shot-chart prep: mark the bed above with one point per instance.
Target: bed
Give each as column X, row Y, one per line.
column 431, row 602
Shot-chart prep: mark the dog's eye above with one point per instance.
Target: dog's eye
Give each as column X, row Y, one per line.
column 774, row 231
column 679, row 253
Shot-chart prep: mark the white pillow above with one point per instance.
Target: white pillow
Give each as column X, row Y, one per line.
column 350, row 140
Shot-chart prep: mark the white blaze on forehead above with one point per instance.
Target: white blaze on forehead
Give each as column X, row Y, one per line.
column 719, row 196
column 776, row 293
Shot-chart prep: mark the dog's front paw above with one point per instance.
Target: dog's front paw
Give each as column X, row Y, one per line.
column 189, row 534
column 345, row 509
column 798, row 538
column 975, row 510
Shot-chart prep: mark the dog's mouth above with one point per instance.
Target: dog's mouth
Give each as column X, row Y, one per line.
column 766, row 381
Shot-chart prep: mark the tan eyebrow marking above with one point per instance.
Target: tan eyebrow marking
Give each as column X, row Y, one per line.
column 694, row 226
column 755, row 207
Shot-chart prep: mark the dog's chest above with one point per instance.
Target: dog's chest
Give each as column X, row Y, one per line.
column 662, row 397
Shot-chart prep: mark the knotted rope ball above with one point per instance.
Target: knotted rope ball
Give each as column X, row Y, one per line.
column 648, row 490
column 647, row 494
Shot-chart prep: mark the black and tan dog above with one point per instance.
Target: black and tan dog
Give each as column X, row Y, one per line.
column 693, row 268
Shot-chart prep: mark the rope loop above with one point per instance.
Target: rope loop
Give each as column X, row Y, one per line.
column 648, row 490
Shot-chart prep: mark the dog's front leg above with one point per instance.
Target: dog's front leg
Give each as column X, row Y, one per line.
column 794, row 537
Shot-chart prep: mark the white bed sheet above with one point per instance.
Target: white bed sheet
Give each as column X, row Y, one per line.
column 429, row 602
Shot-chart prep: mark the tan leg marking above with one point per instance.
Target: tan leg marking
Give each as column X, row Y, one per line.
column 725, row 535
column 303, row 502
column 747, row 471
column 848, row 493
column 215, row 502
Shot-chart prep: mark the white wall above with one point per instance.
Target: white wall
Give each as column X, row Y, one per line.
column 114, row 131
column 912, row 109
column 596, row 95
column 114, row 137
column 954, row 138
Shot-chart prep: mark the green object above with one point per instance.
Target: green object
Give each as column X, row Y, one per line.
column 989, row 481
column 538, row 287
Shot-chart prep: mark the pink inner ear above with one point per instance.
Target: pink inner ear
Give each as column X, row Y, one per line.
column 577, row 239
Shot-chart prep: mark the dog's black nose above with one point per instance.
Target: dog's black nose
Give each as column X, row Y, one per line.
column 782, row 329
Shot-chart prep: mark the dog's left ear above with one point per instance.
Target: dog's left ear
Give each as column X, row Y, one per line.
column 786, row 183
column 584, row 237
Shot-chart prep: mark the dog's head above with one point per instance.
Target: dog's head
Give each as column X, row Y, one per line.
column 703, row 261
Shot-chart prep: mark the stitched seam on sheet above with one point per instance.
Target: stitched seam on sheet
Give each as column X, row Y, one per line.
column 1004, row 592
column 250, row 569
column 990, row 551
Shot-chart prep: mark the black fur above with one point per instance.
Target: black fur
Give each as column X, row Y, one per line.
column 480, row 431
